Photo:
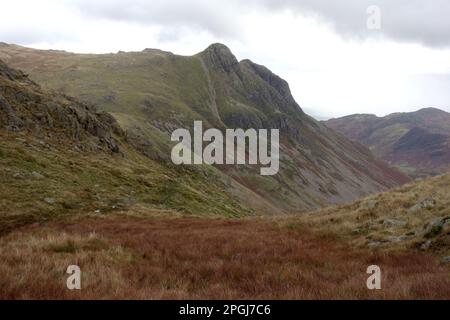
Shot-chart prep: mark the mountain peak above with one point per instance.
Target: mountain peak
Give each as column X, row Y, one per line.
column 220, row 56
column 219, row 47
column 432, row 110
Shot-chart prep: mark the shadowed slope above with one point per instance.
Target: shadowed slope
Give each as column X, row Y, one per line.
column 418, row 142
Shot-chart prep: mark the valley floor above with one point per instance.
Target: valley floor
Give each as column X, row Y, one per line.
column 139, row 255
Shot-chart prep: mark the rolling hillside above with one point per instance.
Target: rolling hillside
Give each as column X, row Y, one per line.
column 415, row 216
column 151, row 93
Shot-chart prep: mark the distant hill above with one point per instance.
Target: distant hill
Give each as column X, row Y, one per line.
column 418, row 143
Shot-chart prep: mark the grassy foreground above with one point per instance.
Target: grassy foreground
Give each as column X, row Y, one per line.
column 142, row 254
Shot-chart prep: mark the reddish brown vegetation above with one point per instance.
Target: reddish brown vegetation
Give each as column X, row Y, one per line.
column 191, row 258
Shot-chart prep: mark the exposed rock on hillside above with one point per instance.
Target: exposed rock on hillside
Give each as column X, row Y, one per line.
column 414, row 216
column 24, row 106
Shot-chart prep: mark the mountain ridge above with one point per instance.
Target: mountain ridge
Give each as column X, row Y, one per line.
column 60, row 157
column 416, row 142
column 151, row 93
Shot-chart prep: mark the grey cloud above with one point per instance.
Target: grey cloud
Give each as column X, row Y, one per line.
column 426, row 22
column 173, row 15
column 423, row 21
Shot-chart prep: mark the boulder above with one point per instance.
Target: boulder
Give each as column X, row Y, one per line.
column 426, row 204
column 368, row 205
column 37, row 175
column 8, row 117
column 50, row 200
column 393, row 223
column 397, row 238
column 426, row 245
column 436, row 227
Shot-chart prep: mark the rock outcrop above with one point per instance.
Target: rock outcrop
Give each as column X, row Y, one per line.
column 24, row 106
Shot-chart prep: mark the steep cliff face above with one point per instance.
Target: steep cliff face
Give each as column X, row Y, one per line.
column 416, row 142
column 151, row 93
column 315, row 160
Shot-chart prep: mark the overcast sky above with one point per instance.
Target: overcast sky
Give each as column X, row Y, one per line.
column 333, row 62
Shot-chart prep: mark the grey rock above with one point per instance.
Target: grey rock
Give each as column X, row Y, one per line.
column 426, row 245
column 368, row 205
column 37, row 175
column 50, row 200
column 13, row 122
column 426, row 204
column 396, row 238
column 436, row 227
column 126, row 200
column 79, row 121
column 219, row 56
column 18, row 175
column 439, row 222
column 446, row 260
column 393, row 223
column 446, row 225
column 374, row 244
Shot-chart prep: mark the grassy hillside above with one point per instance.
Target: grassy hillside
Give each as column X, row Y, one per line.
column 60, row 157
column 415, row 216
column 151, row 93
